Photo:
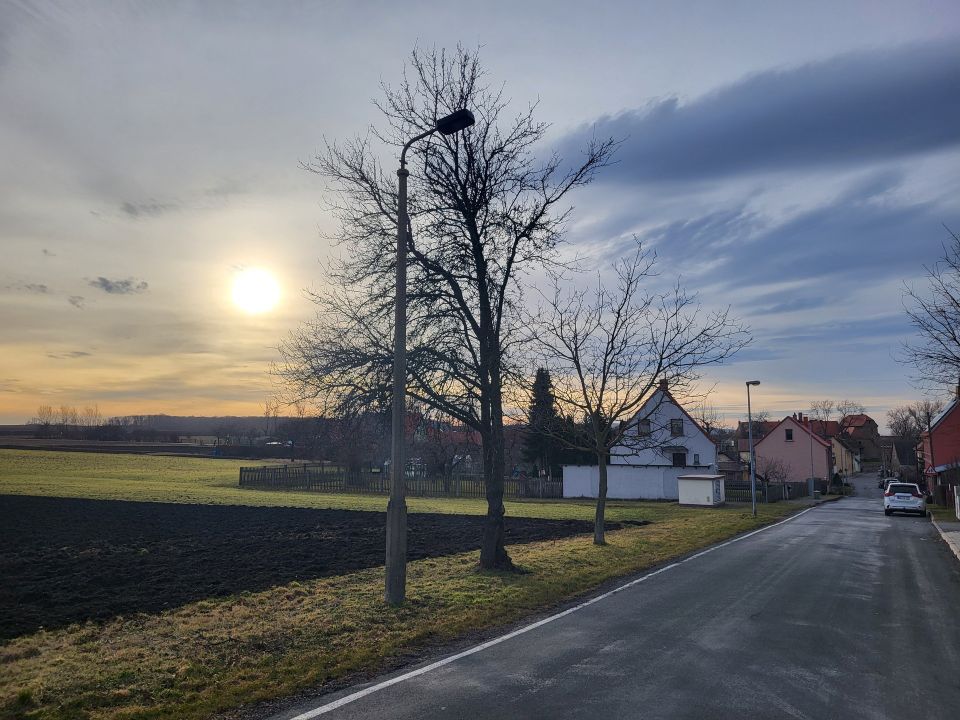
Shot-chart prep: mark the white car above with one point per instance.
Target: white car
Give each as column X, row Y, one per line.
column 904, row 497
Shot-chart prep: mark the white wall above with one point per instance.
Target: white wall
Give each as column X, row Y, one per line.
column 624, row 482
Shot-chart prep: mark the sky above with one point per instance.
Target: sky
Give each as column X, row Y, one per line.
column 798, row 163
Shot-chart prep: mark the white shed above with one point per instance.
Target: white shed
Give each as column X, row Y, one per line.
column 704, row 490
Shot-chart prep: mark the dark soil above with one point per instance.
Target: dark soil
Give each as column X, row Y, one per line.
column 66, row 560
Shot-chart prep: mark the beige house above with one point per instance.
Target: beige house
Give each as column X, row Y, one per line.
column 845, row 460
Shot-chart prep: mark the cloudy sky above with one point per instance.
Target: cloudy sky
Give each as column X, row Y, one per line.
column 797, row 161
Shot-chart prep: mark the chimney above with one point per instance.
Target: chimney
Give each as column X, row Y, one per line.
column 664, row 385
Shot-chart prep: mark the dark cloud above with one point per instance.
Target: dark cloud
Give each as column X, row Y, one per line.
column 34, row 288
column 852, row 109
column 147, row 209
column 129, row 286
column 77, row 301
column 858, row 238
column 71, row 355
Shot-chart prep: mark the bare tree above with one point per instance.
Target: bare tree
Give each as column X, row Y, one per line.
column 608, row 351
column 902, row 423
column 485, row 210
column 935, row 316
column 46, row 417
column 773, row 470
column 822, row 410
column 924, row 412
column 709, row 418
column 848, row 410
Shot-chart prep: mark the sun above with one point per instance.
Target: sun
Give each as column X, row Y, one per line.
column 255, row 291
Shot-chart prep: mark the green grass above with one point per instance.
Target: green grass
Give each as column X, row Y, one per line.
column 208, row 481
column 209, row 656
column 942, row 512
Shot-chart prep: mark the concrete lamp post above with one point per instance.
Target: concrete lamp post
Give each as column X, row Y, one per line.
column 396, row 560
column 753, row 458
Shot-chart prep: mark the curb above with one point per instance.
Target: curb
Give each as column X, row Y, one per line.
column 951, row 543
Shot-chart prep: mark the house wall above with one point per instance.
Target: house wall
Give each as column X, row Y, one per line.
column 843, row 458
column 660, row 409
column 795, row 454
column 869, row 435
column 946, row 442
column 624, row 482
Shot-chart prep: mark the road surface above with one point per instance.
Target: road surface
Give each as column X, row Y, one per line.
column 839, row 613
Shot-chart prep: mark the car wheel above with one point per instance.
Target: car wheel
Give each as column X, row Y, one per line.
column 887, row 512
column 923, row 514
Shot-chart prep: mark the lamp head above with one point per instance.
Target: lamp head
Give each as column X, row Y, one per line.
column 753, row 382
column 455, row 122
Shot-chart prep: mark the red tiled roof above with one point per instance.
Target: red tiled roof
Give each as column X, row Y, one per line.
column 829, row 428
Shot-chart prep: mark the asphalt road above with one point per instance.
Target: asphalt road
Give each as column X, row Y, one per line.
column 839, row 613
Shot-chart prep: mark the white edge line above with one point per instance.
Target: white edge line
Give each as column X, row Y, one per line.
column 347, row 699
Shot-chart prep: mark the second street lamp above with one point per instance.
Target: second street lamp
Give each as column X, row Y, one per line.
column 396, row 553
column 753, row 457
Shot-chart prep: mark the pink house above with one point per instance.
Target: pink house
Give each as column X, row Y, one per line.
column 792, row 445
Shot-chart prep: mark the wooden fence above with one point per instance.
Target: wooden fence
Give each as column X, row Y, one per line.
column 325, row 478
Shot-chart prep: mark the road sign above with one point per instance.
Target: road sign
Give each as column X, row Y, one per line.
column 930, row 471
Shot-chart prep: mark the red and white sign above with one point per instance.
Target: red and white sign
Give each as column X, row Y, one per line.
column 930, row 471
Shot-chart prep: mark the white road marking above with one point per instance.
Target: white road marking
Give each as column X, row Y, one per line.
column 347, row 699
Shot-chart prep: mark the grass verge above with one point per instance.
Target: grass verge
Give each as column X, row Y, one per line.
column 214, row 655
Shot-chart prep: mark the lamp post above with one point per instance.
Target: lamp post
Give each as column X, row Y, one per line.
column 395, row 589
column 753, row 458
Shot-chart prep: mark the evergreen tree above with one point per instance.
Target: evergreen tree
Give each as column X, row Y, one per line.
column 540, row 443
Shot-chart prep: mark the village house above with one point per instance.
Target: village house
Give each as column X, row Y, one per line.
column 939, row 449
column 846, row 459
column 663, row 444
column 862, row 432
column 799, row 451
column 900, row 456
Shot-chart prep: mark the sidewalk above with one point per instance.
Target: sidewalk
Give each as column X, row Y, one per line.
column 950, row 532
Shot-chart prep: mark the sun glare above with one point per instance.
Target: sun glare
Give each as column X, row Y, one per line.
column 255, row 291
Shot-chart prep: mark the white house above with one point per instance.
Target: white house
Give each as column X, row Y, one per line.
column 664, row 444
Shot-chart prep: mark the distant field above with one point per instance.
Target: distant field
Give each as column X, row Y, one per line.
column 208, row 481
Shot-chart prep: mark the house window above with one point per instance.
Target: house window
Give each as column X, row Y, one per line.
column 643, row 428
column 676, row 427
column 696, row 458
column 679, row 459
column 789, row 432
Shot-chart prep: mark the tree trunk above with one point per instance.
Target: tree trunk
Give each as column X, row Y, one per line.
column 493, row 551
column 598, row 534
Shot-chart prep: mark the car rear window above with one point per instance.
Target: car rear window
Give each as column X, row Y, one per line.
column 895, row 488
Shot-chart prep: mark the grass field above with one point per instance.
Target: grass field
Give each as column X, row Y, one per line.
column 208, row 481
column 212, row 655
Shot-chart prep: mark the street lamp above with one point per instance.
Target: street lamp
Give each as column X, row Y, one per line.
column 753, row 458
column 396, row 560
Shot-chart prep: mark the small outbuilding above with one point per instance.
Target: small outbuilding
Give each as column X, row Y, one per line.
column 702, row 490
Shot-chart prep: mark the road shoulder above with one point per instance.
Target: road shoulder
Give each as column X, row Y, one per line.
column 949, row 533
